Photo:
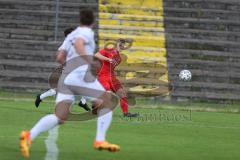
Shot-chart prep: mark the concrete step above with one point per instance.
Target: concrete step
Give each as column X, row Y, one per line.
column 29, row 44
column 223, row 67
column 42, row 16
column 80, row 1
column 23, row 86
column 130, row 20
column 204, row 85
column 140, row 41
column 68, row 1
column 205, row 95
column 201, row 13
column 141, row 81
column 39, row 15
column 146, row 50
column 128, row 30
column 204, row 24
column 25, row 65
column 232, row 5
column 144, row 54
column 26, row 34
column 29, row 55
column 24, row 76
column 47, row 5
column 207, row 88
column 203, row 54
column 136, row 3
column 36, row 26
column 200, row 44
column 132, row 10
column 203, row 34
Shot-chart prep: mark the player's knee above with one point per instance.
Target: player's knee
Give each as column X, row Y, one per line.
column 121, row 93
column 113, row 99
column 97, row 103
column 62, row 110
column 110, row 100
column 60, row 121
column 61, row 118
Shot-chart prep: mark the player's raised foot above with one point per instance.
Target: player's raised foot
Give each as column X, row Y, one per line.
column 130, row 114
column 38, row 101
column 25, row 144
column 106, row 146
column 84, row 106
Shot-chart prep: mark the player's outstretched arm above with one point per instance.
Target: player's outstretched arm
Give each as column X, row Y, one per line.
column 103, row 58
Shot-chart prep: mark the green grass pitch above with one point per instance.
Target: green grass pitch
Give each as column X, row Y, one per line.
column 159, row 134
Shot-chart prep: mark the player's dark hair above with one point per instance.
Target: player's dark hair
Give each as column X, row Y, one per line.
column 68, row 31
column 86, row 17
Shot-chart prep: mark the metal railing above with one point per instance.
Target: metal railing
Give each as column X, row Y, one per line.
column 56, row 21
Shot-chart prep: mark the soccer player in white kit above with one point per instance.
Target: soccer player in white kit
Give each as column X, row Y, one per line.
column 77, row 47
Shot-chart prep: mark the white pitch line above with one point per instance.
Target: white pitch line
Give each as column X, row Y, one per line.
column 51, row 145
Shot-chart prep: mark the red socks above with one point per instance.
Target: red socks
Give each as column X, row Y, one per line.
column 124, row 105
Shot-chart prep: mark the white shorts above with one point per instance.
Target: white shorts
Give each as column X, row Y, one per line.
column 76, row 78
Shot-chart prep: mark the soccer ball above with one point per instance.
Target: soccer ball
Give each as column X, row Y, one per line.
column 185, row 75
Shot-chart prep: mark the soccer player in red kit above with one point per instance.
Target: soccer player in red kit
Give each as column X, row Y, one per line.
column 106, row 76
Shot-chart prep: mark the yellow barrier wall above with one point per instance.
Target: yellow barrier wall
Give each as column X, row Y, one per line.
column 145, row 71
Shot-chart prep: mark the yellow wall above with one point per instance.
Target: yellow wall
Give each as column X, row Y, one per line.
column 142, row 20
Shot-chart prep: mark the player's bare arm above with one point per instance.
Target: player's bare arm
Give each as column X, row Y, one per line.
column 79, row 46
column 80, row 49
column 103, row 58
column 61, row 57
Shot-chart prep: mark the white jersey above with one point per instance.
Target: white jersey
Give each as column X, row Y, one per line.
column 84, row 33
column 76, row 77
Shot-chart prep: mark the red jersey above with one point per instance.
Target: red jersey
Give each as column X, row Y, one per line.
column 107, row 68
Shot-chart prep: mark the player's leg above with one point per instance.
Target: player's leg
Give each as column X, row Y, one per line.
column 124, row 103
column 103, row 105
column 43, row 125
column 103, row 124
column 123, row 100
column 104, row 81
column 40, row 97
column 117, row 88
column 46, row 123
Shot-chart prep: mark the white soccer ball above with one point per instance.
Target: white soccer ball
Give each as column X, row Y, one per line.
column 185, row 75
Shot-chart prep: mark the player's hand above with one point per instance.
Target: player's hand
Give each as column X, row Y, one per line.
column 110, row 60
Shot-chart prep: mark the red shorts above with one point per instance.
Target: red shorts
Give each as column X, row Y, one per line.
column 110, row 83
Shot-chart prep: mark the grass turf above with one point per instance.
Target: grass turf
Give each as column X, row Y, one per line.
column 157, row 134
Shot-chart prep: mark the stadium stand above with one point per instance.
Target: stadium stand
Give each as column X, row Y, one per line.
column 145, row 71
column 203, row 36
column 27, row 40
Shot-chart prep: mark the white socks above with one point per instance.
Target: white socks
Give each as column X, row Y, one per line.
column 49, row 93
column 46, row 123
column 103, row 123
column 83, row 100
column 50, row 121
